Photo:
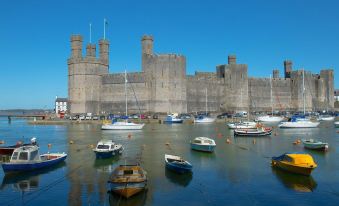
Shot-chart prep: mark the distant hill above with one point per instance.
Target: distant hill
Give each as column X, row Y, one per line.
column 25, row 111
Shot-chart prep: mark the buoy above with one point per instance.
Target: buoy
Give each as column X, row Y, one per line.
column 254, row 141
column 298, row 141
column 219, row 135
column 167, row 143
column 49, row 146
column 275, row 134
column 18, row 143
column 71, row 142
column 2, row 142
column 129, row 136
column 90, row 146
column 228, row 141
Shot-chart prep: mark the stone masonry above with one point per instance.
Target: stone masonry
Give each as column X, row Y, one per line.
column 163, row 86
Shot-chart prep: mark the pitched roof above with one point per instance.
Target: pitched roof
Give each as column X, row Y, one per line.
column 59, row 99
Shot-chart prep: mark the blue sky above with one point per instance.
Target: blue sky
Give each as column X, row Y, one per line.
column 35, row 35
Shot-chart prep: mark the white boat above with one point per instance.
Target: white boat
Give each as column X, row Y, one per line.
column 173, row 118
column 268, row 118
column 315, row 145
column 336, row 124
column 300, row 122
column 326, row 118
column 203, row 144
column 242, row 125
column 204, row 118
column 123, row 125
column 107, row 149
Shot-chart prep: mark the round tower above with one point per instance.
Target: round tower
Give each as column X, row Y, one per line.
column 76, row 46
column 147, row 44
column 232, row 59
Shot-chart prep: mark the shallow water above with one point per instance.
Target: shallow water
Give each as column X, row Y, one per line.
column 235, row 174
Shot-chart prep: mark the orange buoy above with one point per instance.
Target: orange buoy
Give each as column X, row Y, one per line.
column 298, row 141
column 228, row 141
column 2, row 142
column 49, row 145
column 219, row 135
column 129, row 136
column 254, row 141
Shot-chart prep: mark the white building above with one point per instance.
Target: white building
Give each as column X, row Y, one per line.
column 61, row 105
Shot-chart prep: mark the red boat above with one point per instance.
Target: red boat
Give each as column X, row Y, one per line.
column 8, row 150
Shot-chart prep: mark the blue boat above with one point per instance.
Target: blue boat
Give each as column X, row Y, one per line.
column 203, row 144
column 107, row 149
column 27, row 158
column 177, row 164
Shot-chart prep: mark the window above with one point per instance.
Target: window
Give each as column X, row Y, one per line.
column 15, row 156
column 23, row 156
column 34, row 154
column 128, row 172
column 103, row 146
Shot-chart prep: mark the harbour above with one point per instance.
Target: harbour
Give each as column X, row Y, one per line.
column 238, row 172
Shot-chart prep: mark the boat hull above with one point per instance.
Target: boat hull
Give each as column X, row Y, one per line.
column 178, row 168
column 270, row 119
column 17, row 167
column 204, row 120
column 291, row 168
column 301, row 124
column 316, row 146
column 128, row 189
column 107, row 154
column 246, row 133
column 336, row 124
column 173, row 121
column 203, row 148
column 122, row 126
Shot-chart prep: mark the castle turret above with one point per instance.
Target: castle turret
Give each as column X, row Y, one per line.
column 276, row 73
column 232, row 59
column 147, row 44
column 90, row 50
column 287, row 68
column 76, row 45
column 104, row 51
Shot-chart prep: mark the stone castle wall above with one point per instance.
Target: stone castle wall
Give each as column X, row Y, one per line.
column 163, row 85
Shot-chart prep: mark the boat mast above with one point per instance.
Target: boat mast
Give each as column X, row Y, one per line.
column 271, row 94
column 126, row 93
column 206, row 102
column 304, row 91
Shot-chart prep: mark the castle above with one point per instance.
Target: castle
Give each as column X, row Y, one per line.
column 163, row 86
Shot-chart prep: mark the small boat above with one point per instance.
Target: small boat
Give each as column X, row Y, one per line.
column 299, row 122
column 315, row 145
column 261, row 131
column 122, row 126
column 268, row 118
column 27, row 158
column 295, row 163
column 242, row 125
column 177, row 164
column 204, row 119
column 326, row 118
column 173, row 118
column 336, row 124
column 128, row 180
column 203, row 144
column 8, row 150
column 107, row 149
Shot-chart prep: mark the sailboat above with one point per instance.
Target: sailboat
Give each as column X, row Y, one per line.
column 300, row 122
column 268, row 118
column 204, row 118
column 125, row 125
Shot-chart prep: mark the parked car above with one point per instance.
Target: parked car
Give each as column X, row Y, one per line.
column 185, row 116
column 155, row 116
column 88, row 118
column 82, row 117
column 224, row 115
column 95, row 118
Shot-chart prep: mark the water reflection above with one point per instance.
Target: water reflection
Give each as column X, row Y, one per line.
column 295, row 182
column 106, row 165
column 27, row 181
column 136, row 200
column 179, row 179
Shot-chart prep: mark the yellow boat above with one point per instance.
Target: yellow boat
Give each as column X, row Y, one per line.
column 295, row 163
column 128, row 180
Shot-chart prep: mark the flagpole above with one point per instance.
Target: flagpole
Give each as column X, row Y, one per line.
column 90, row 33
column 104, row 28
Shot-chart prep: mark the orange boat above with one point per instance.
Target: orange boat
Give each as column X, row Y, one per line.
column 128, row 180
column 295, row 163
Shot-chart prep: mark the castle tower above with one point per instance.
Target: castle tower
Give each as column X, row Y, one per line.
column 104, row 51
column 85, row 76
column 232, row 59
column 76, row 45
column 276, row 73
column 147, row 44
column 328, row 77
column 287, row 68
